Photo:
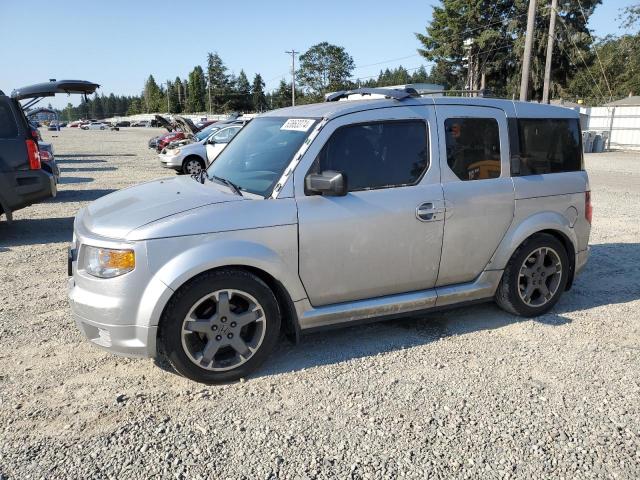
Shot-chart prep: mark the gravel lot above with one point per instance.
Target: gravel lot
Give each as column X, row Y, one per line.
column 469, row 393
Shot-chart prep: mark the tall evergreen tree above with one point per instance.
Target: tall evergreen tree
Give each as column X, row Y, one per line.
column 97, row 110
column 197, row 90
column 218, row 82
column 180, row 95
column 152, row 95
column 258, row 98
column 241, row 99
column 282, row 96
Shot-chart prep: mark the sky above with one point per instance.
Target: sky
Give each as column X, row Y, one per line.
column 119, row 43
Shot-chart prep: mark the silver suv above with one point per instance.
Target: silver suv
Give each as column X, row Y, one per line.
column 334, row 213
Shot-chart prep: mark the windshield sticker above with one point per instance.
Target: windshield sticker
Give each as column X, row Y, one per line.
column 297, row 124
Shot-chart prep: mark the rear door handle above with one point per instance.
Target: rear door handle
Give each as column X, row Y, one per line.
column 428, row 212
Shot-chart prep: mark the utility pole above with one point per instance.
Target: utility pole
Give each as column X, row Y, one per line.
column 168, row 101
column 293, row 54
column 528, row 45
column 547, row 64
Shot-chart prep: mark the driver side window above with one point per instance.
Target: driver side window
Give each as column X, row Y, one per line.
column 377, row 155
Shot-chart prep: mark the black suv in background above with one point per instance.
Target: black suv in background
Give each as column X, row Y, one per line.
column 22, row 179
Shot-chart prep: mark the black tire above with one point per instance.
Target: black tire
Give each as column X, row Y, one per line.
column 170, row 339
column 191, row 158
column 508, row 296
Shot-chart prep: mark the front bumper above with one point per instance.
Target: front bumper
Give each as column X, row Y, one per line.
column 130, row 339
column 120, row 314
column 170, row 161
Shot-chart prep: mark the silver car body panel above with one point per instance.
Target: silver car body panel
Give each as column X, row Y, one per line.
column 346, row 241
column 477, row 213
column 180, row 228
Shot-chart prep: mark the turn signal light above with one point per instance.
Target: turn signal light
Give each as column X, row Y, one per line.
column 588, row 208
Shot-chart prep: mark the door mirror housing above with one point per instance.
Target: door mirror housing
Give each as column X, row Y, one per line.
column 329, row 183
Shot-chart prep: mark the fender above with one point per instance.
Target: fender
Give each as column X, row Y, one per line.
column 521, row 230
column 223, row 252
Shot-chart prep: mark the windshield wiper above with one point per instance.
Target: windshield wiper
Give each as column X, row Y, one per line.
column 229, row 184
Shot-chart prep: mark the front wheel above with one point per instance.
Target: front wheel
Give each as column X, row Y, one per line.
column 535, row 277
column 220, row 326
column 192, row 165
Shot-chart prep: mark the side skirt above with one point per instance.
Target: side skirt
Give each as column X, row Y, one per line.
column 400, row 305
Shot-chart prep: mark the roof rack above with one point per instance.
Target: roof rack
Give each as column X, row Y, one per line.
column 485, row 92
column 386, row 92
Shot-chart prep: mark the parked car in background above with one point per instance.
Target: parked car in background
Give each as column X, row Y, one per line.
column 184, row 129
column 163, row 122
column 95, row 126
column 23, row 181
column 323, row 215
column 204, row 124
column 194, row 157
column 123, row 123
column 205, row 132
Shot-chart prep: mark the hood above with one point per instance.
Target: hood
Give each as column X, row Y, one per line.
column 163, row 122
column 186, row 125
column 117, row 214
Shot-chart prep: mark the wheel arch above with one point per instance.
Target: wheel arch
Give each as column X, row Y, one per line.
column 257, row 259
column 551, row 223
column 289, row 324
column 194, row 156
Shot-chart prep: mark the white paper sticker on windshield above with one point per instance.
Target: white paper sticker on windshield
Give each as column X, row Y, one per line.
column 297, row 124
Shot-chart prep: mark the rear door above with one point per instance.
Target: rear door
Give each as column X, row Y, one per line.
column 478, row 189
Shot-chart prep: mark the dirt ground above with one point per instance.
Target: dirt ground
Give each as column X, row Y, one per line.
column 472, row 392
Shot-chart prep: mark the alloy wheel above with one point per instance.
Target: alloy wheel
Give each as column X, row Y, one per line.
column 539, row 277
column 223, row 330
column 193, row 167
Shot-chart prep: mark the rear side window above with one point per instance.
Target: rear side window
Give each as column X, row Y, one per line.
column 549, row 146
column 8, row 127
column 473, row 147
column 377, row 155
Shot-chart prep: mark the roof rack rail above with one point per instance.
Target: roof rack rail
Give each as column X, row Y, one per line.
column 387, row 92
column 485, row 92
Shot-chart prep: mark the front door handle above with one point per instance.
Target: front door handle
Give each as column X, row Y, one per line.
column 428, row 212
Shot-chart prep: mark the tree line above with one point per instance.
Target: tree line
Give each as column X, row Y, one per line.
column 469, row 43
column 480, row 43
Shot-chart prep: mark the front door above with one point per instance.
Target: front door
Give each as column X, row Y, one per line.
column 384, row 237
column 478, row 190
column 218, row 141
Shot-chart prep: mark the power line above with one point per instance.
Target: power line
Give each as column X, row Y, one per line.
column 566, row 29
column 596, row 50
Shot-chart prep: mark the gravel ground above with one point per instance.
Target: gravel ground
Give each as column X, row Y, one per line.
column 468, row 393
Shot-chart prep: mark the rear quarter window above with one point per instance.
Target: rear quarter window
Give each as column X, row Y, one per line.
column 8, row 127
column 549, row 146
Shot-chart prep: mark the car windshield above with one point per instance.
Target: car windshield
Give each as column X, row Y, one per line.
column 259, row 153
column 202, row 134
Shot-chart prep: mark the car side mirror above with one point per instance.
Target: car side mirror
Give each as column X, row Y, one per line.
column 329, row 183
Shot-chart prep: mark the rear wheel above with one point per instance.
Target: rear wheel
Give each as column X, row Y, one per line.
column 220, row 326
column 192, row 165
column 535, row 277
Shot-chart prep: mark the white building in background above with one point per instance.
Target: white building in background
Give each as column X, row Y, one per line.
column 619, row 120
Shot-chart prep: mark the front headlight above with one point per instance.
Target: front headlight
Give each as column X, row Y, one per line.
column 108, row 262
column 174, row 152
